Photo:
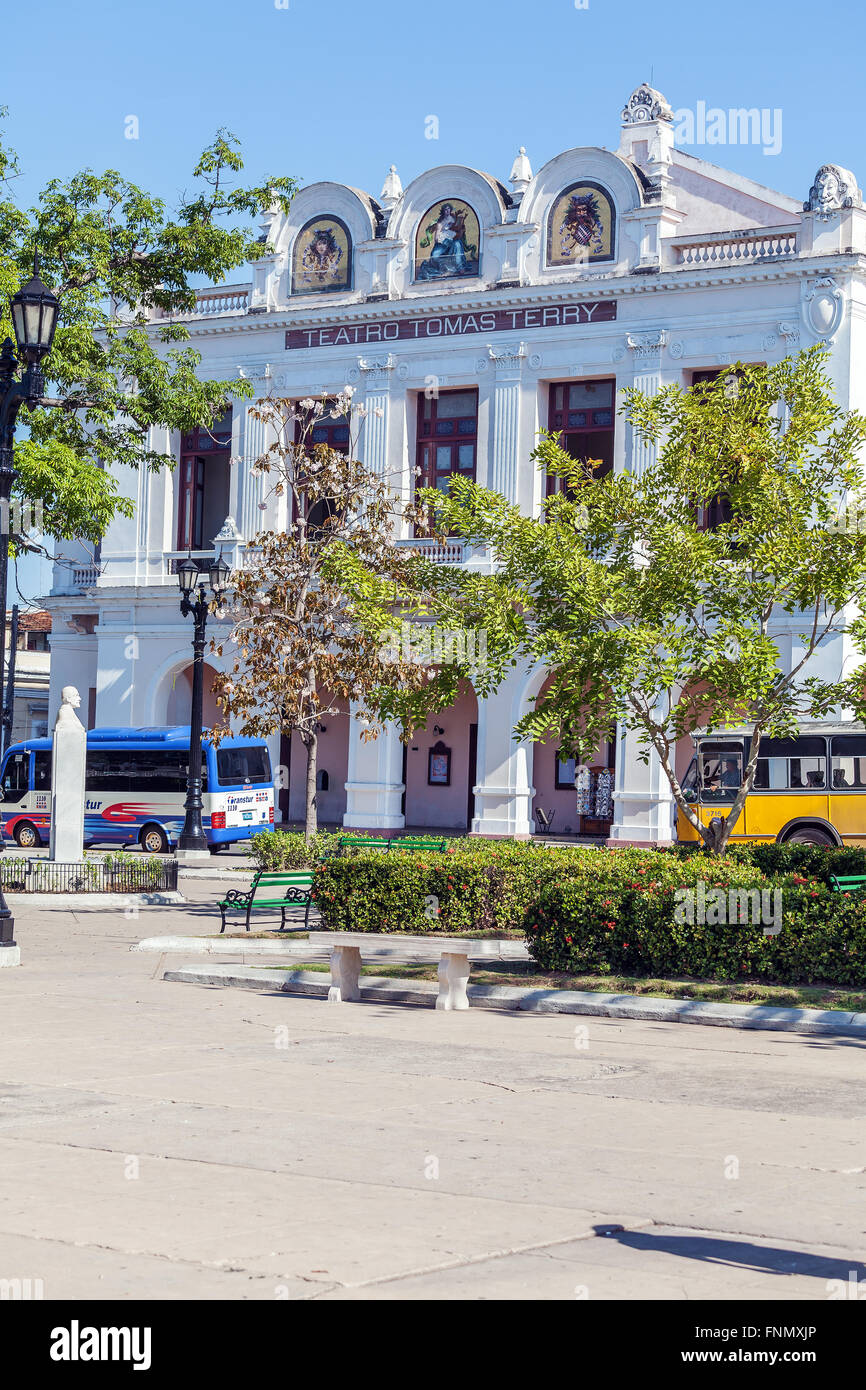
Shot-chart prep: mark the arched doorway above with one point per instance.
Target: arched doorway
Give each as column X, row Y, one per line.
column 556, row 793
column 332, row 764
column 180, row 698
column 439, row 765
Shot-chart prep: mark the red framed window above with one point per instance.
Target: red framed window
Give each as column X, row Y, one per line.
column 197, row 448
column 190, row 502
column 584, row 413
column 326, row 430
column 335, row 434
column 447, row 437
column 718, row 510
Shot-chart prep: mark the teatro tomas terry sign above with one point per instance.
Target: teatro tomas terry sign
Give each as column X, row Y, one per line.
column 452, row 325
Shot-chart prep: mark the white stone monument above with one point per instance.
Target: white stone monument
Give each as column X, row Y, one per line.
column 68, row 762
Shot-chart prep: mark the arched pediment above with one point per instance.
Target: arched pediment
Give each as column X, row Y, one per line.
column 441, row 221
column 576, row 202
column 316, row 242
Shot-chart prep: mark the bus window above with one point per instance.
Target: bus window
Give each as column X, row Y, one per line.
column 42, row 772
column 690, row 781
column 107, row 771
column 160, row 769
column 721, row 771
column 139, row 770
column 16, row 777
column 771, row 774
column 236, row 766
column 848, row 762
column 807, row 772
column 791, row 764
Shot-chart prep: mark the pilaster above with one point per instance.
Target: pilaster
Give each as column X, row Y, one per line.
column 507, row 362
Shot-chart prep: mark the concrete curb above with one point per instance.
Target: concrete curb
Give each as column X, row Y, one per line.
column 204, row 872
column 821, row 1022
column 172, row 897
column 225, row 946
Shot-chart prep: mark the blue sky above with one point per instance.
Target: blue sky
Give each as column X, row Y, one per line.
column 341, row 91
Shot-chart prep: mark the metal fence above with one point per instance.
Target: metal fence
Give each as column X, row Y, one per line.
column 93, row 876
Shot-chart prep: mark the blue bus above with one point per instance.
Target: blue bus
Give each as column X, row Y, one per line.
column 135, row 788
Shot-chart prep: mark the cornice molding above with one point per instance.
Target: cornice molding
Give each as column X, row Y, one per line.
column 792, row 270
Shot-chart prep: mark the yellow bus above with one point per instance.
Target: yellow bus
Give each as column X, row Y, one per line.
column 808, row 790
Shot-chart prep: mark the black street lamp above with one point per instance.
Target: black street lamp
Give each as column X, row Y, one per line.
column 34, row 317
column 190, row 577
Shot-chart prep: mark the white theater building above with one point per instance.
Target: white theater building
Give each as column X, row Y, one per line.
column 524, row 305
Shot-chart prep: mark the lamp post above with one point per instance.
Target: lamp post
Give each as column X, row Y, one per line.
column 192, row 840
column 34, row 318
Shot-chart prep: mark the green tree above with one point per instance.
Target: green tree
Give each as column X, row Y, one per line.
column 123, row 266
column 649, row 618
column 300, row 646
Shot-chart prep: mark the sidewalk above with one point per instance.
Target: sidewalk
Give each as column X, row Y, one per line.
column 190, row 1142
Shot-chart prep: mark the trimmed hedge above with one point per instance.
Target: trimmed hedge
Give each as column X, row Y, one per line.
column 631, row 924
column 598, row 911
column 594, row 911
column 284, row 849
column 474, row 889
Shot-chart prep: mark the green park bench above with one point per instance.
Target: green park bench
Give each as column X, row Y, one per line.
column 848, row 883
column 419, row 842
column 271, row 889
column 410, row 842
column 362, row 842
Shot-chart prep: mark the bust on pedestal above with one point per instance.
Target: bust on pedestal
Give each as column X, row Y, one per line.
column 68, row 762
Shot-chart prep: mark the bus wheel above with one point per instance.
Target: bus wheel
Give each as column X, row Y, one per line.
column 153, row 840
column 811, row 835
column 26, row 835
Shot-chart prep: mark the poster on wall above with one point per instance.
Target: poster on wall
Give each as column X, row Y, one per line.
column 581, row 226
column 439, row 766
column 447, row 242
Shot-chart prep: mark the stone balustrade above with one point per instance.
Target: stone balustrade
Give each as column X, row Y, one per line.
column 734, row 248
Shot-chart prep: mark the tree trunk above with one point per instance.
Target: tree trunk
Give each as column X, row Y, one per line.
column 311, row 821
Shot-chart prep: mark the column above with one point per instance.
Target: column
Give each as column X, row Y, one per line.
column 503, row 791
column 250, row 486
column 643, row 803
column 374, row 442
column 507, row 364
column 374, row 786
column 646, row 348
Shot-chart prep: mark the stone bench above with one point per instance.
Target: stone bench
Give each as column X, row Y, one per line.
column 347, row 949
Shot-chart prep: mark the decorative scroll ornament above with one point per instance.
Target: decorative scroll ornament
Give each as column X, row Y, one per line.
column 376, row 369
column 834, row 188
column 647, row 345
column 823, row 307
column 646, row 104
column 228, row 531
column 507, row 358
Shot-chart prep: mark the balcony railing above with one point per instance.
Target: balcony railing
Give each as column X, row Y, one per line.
column 450, row 552
column 735, row 248
column 227, row 299
column 85, row 576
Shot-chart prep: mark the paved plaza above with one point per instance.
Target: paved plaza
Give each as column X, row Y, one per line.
column 162, row 1141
